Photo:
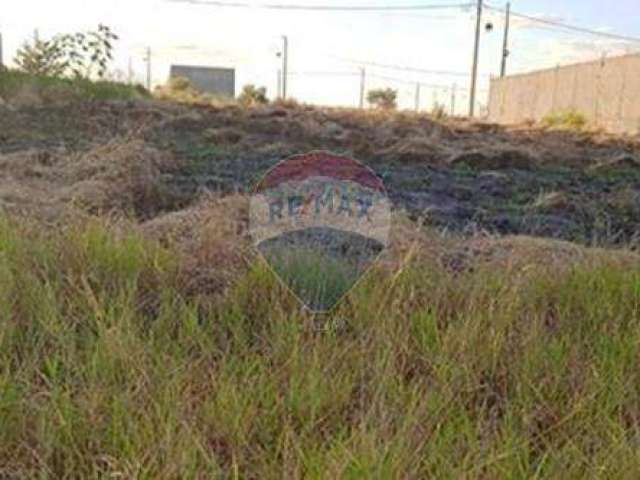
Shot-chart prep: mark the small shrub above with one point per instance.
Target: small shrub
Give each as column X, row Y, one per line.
column 569, row 120
column 180, row 89
column 40, row 58
column 439, row 111
column 383, row 98
column 180, row 84
column 252, row 95
column 286, row 103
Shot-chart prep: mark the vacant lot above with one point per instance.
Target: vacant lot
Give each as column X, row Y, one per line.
column 458, row 176
column 141, row 337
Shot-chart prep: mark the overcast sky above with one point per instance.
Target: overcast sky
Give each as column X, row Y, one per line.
column 322, row 42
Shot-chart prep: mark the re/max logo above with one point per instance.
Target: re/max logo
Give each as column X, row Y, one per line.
column 333, row 203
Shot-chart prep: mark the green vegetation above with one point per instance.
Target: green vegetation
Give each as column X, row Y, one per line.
column 109, row 369
column 40, row 58
column 79, row 54
column 61, row 69
column 383, row 98
column 569, row 120
column 28, row 89
column 319, row 280
column 252, row 95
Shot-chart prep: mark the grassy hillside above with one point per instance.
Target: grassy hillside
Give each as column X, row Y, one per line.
column 142, row 337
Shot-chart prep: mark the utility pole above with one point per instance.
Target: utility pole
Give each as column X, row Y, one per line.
column 36, row 35
column 474, row 68
column 1, row 62
column 148, row 60
column 279, row 83
column 505, row 41
column 453, row 99
column 417, row 96
column 362, row 80
column 130, row 71
column 285, row 54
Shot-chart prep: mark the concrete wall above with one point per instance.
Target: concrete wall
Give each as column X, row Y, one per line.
column 219, row 81
column 606, row 91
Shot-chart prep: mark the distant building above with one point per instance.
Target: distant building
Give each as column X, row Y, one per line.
column 215, row 80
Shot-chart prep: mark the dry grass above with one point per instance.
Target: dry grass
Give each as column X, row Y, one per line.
column 211, row 241
column 118, row 175
column 123, row 175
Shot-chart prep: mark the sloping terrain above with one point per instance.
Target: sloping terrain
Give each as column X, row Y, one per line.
column 457, row 176
column 142, row 337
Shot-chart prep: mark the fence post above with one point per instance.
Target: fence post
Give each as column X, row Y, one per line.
column 555, row 88
column 599, row 88
column 279, row 83
column 574, row 89
column 621, row 119
column 453, row 100
column 362, row 87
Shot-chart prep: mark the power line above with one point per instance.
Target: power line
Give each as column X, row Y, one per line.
column 335, row 8
column 403, row 68
column 421, row 18
column 372, row 75
column 285, row 65
column 325, row 73
column 567, row 26
column 423, row 84
column 408, row 82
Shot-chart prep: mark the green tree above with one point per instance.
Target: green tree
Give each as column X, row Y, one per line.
column 89, row 52
column 79, row 54
column 383, row 98
column 41, row 58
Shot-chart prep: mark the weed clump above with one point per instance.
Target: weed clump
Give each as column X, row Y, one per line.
column 179, row 89
column 569, row 120
column 252, row 95
column 383, row 98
